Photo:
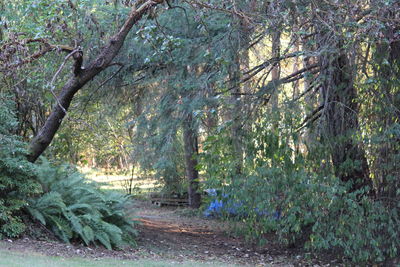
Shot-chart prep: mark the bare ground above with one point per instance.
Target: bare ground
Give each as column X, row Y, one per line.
column 166, row 233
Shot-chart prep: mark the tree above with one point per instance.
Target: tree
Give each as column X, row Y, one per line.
column 382, row 91
column 191, row 152
column 184, row 65
column 82, row 75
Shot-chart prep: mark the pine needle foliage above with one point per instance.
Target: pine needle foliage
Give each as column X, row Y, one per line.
column 78, row 210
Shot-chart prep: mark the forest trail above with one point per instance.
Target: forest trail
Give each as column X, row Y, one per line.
column 174, row 234
column 167, row 233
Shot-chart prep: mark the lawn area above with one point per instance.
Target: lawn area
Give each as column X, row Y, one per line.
column 19, row 259
column 120, row 181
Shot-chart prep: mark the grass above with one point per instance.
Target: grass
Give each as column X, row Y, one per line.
column 19, row 259
column 119, row 181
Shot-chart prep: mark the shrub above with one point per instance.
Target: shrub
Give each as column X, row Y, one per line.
column 78, row 210
column 316, row 210
column 17, row 175
column 319, row 213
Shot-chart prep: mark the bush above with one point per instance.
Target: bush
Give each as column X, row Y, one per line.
column 78, row 210
column 17, row 175
column 316, row 210
column 319, row 214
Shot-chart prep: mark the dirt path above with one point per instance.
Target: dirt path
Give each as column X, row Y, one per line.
column 169, row 234
column 165, row 233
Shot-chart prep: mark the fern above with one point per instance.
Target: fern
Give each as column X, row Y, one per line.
column 87, row 234
column 77, row 210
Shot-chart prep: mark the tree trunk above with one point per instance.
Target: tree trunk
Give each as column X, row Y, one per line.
column 235, row 113
column 81, row 77
column 191, row 151
column 386, row 167
column 240, row 61
column 275, row 75
column 211, row 112
column 340, row 115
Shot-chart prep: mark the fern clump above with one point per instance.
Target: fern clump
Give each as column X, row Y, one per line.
column 17, row 175
column 78, row 210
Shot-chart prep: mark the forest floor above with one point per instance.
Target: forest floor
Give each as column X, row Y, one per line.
column 178, row 235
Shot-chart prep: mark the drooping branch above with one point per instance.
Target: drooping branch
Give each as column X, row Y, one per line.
column 103, row 60
column 9, row 49
column 315, row 68
column 311, row 118
column 257, row 69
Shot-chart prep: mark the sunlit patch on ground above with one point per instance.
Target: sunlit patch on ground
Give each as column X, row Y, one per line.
column 121, row 181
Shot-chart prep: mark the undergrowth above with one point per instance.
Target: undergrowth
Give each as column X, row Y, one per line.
column 17, row 175
column 59, row 197
column 315, row 209
column 78, row 210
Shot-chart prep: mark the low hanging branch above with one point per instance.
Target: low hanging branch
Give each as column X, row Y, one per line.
column 10, row 49
column 311, row 118
column 82, row 76
column 272, row 85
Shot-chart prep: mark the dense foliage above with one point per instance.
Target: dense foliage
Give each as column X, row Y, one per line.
column 75, row 209
column 302, row 206
column 17, row 175
column 60, row 198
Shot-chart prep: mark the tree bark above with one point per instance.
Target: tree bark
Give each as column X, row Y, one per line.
column 240, row 61
column 276, row 74
column 104, row 59
column 191, row 150
column 388, row 150
column 236, row 112
column 341, row 120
